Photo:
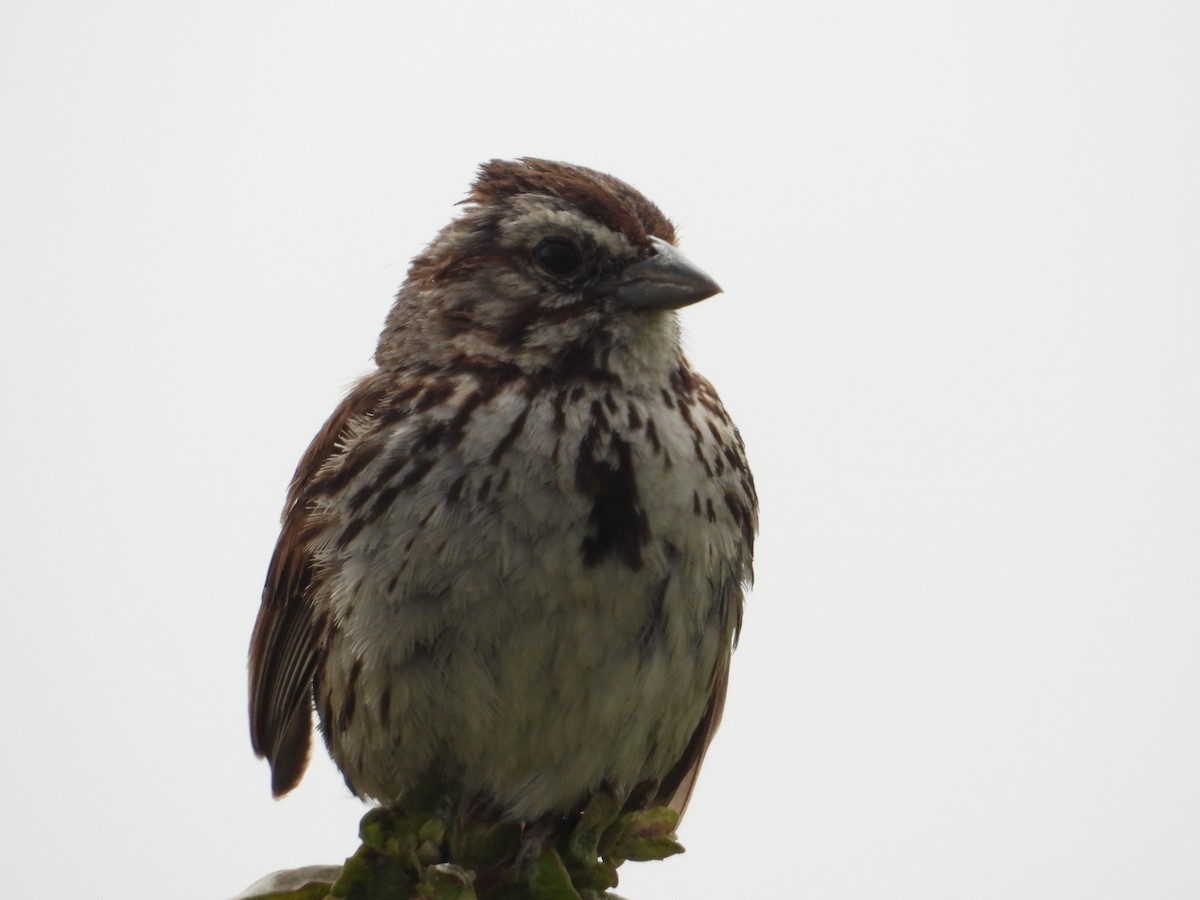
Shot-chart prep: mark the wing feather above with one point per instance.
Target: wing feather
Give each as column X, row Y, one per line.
column 287, row 636
column 676, row 788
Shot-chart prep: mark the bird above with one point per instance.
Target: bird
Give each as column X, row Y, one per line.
column 513, row 561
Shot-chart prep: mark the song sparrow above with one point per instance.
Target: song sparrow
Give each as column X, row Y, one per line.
column 513, row 558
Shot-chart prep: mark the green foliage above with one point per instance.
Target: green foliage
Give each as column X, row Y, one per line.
column 436, row 848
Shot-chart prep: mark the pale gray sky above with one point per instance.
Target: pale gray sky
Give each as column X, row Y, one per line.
column 960, row 245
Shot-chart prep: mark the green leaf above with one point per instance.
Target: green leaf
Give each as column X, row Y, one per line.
column 371, row 875
column 548, row 878
column 647, row 834
column 602, row 810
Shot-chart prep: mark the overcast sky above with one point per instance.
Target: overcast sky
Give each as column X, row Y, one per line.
column 960, row 247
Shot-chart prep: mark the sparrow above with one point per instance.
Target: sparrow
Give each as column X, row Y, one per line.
column 513, row 560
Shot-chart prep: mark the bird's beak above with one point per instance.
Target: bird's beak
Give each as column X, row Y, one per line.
column 666, row 280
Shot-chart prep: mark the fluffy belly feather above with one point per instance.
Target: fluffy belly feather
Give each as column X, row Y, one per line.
column 502, row 656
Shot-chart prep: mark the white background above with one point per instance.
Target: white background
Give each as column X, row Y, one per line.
column 960, row 245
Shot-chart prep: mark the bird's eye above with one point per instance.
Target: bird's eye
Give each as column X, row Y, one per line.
column 558, row 256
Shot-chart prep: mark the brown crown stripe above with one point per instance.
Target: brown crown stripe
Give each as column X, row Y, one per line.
column 602, row 197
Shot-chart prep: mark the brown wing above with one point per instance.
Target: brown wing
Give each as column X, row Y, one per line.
column 286, row 639
column 676, row 788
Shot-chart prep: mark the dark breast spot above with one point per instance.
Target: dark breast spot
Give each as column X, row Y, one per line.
column 604, row 472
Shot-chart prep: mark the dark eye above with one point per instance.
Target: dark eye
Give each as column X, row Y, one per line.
column 558, row 256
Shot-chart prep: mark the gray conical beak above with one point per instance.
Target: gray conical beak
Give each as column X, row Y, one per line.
column 666, row 280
